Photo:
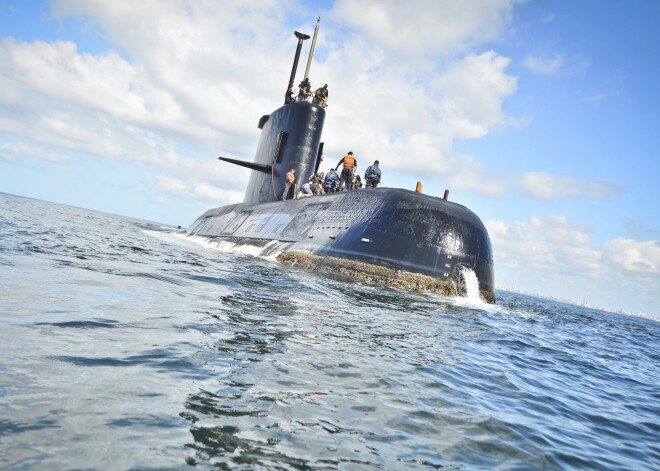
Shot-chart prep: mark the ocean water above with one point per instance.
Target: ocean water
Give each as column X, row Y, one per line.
column 125, row 344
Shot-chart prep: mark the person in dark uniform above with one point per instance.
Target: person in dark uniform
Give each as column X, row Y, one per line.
column 321, row 96
column 331, row 181
column 290, row 96
column 305, row 90
column 372, row 175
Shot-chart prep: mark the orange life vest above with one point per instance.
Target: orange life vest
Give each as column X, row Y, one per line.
column 290, row 177
column 349, row 161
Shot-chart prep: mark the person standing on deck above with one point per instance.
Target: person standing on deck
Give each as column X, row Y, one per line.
column 331, row 181
column 305, row 90
column 290, row 96
column 372, row 175
column 350, row 165
column 321, row 96
column 290, row 180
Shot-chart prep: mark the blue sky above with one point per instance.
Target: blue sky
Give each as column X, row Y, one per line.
column 542, row 117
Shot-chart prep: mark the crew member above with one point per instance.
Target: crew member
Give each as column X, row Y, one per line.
column 331, row 181
column 305, row 90
column 316, row 183
column 317, row 177
column 372, row 175
column 289, row 181
column 321, row 96
column 350, row 165
column 316, row 187
column 290, row 96
column 306, row 191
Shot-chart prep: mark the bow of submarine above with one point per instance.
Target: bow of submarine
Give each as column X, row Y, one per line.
column 404, row 230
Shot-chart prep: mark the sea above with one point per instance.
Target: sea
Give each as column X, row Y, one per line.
column 127, row 344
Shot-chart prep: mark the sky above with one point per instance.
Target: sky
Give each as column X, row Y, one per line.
column 542, row 117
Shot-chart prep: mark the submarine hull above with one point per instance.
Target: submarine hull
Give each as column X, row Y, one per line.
column 384, row 227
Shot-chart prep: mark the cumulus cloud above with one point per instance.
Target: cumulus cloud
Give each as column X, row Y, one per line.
column 18, row 152
column 195, row 190
column 468, row 174
column 212, row 61
column 420, row 27
column 554, row 244
column 414, row 128
column 544, row 66
column 545, row 186
column 633, row 256
column 473, row 91
column 554, row 255
column 102, row 105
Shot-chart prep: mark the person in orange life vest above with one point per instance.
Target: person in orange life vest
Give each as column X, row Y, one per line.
column 290, row 180
column 350, row 165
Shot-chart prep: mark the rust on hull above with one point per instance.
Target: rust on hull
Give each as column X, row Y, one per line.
column 369, row 272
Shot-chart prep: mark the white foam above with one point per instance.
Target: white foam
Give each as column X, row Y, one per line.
column 227, row 246
column 273, row 248
column 178, row 237
column 471, row 284
column 472, row 297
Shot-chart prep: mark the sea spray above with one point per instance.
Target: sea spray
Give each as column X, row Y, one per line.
column 471, row 284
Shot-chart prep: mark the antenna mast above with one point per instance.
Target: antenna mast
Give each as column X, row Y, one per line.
column 301, row 37
column 311, row 50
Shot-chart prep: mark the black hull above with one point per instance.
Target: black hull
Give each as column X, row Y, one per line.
column 387, row 227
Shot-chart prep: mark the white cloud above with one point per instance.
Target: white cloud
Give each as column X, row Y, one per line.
column 544, row 66
column 213, row 60
column 412, row 128
column 468, row 174
column 554, row 244
column 544, row 186
column 633, row 257
column 421, row 27
column 473, row 91
column 170, row 184
column 195, row 190
column 217, row 194
column 559, row 257
column 12, row 151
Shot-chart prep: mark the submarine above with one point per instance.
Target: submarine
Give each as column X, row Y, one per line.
column 391, row 236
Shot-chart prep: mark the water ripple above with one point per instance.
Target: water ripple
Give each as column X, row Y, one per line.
column 127, row 345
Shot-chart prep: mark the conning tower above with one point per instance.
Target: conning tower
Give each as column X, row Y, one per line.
column 290, row 138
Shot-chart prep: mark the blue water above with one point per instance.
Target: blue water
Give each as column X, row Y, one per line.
column 125, row 344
